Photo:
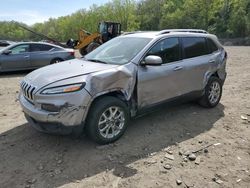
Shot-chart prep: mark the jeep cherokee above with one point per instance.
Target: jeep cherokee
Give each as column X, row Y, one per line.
column 120, row 79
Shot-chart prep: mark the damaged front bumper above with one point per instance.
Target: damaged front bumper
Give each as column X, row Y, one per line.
column 72, row 110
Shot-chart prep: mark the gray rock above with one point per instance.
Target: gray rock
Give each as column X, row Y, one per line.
column 243, row 117
column 168, row 156
column 58, row 171
column 217, row 180
column 178, row 182
column 192, row 157
column 149, row 162
column 205, row 150
column 168, row 150
column 31, row 181
column 59, row 161
column 197, row 160
column 167, row 166
column 40, row 167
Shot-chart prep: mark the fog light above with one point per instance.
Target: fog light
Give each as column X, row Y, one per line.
column 50, row 107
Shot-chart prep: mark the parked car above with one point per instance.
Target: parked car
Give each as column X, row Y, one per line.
column 32, row 55
column 4, row 43
column 121, row 79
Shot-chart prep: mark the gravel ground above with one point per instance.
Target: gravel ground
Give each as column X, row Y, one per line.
column 154, row 152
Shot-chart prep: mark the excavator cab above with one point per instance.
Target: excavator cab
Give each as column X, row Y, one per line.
column 87, row 41
column 109, row 30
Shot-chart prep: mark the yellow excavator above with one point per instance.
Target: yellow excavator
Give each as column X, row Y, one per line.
column 86, row 41
column 89, row 41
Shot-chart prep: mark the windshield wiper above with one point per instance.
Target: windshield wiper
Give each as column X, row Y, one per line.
column 97, row 61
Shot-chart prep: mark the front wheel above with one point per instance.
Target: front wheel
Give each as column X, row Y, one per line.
column 107, row 120
column 213, row 92
column 92, row 46
column 83, row 51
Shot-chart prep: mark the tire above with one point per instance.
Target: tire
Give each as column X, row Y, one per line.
column 210, row 100
column 83, row 51
column 92, row 46
column 57, row 60
column 108, row 131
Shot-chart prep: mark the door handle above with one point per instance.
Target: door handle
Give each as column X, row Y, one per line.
column 212, row 61
column 178, row 68
column 26, row 56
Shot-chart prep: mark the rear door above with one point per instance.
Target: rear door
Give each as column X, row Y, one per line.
column 197, row 60
column 18, row 59
column 40, row 55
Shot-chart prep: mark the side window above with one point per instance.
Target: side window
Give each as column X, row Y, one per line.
column 212, row 47
column 46, row 47
column 168, row 49
column 20, row 49
column 40, row 47
column 194, row 46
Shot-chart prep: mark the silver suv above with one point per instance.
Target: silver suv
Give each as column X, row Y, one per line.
column 121, row 79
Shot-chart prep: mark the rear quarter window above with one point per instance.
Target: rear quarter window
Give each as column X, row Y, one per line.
column 212, row 47
column 194, row 46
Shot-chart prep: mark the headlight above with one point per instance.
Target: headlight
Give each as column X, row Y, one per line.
column 63, row 89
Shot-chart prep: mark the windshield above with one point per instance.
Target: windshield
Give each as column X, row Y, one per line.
column 3, row 48
column 7, row 47
column 118, row 51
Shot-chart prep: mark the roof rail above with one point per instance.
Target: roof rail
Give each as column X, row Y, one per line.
column 182, row 30
column 134, row 32
column 128, row 33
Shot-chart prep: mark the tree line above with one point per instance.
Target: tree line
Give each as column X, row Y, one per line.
column 225, row 18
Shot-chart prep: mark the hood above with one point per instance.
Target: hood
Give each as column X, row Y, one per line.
column 67, row 69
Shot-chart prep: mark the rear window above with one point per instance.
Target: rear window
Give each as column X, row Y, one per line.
column 40, row 47
column 194, row 46
column 212, row 47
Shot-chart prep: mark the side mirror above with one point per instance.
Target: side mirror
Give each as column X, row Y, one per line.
column 152, row 60
column 6, row 52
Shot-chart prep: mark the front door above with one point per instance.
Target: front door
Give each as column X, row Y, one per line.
column 159, row 83
column 18, row 59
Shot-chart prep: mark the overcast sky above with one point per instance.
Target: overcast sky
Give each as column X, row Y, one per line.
column 33, row 11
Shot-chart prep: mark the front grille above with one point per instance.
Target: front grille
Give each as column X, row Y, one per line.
column 28, row 90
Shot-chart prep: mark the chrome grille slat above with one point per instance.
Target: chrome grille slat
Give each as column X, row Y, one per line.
column 22, row 85
column 27, row 90
column 28, row 93
column 31, row 93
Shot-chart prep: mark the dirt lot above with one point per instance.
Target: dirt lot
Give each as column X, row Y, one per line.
column 140, row 158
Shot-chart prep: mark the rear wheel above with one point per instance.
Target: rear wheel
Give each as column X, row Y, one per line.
column 213, row 92
column 107, row 120
column 57, row 60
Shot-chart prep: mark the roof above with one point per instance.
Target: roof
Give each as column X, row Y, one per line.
column 169, row 32
column 45, row 43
